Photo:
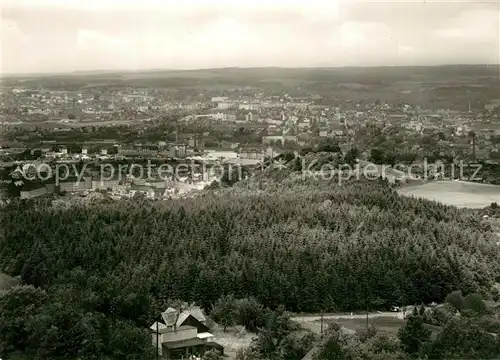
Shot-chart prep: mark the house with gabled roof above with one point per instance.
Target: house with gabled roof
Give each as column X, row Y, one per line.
column 183, row 334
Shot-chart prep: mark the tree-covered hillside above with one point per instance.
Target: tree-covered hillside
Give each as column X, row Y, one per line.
column 308, row 245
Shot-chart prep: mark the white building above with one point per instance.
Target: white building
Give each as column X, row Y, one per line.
column 218, row 99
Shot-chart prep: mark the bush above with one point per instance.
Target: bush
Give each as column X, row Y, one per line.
column 382, row 347
column 246, row 354
column 212, row 355
column 296, row 345
column 224, row 311
column 382, row 343
column 338, row 345
column 366, row 334
column 463, row 339
column 438, row 317
column 250, row 313
column 414, row 335
column 475, row 303
column 456, row 299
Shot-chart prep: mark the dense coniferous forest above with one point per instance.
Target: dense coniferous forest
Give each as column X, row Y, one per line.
column 100, row 273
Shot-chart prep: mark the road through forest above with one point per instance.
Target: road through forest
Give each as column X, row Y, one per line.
column 315, row 317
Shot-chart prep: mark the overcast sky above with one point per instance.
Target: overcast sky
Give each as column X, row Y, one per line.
column 68, row 35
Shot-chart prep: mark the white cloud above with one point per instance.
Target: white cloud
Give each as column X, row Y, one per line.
column 406, row 50
column 367, row 40
column 475, row 25
column 82, row 34
column 9, row 30
column 312, row 7
column 12, row 43
column 90, row 40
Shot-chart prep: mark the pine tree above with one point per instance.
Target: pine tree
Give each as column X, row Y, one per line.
column 421, row 311
column 414, row 335
column 224, row 311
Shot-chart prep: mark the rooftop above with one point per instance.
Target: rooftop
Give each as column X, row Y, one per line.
column 163, row 329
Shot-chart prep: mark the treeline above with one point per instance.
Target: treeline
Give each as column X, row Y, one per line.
column 39, row 324
column 306, row 245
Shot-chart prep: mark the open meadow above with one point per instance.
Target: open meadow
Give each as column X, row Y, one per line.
column 384, row 325
column 461, row 194
column 233, row 339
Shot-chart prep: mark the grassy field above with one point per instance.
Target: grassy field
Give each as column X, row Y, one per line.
column 233, row 339
column 457, row 193
column 384, row 325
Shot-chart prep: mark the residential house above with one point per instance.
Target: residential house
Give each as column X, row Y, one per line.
column 147, row 191
column 217, row 99
column 277, row 122
column 304, row 125
column 137, row 152
column 492, row 104
column 193, row 317
column 178, row 151
column 181, row 335
column 251, row 153
column 224, row 105
column 104, row 184
column 221, row 116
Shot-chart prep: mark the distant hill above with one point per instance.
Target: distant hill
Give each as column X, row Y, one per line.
column 446, row 86
column 441, row 71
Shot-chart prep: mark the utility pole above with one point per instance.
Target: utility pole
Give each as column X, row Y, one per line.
column 322, row 324
column 157, row 341
column 474, row 146
column 366, row 303
column 367, row 323
column 472, row 134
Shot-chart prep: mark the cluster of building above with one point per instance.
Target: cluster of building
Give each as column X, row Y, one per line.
column 179, row 170
column 304, row 121
column 124, row 184
column 211, row 121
